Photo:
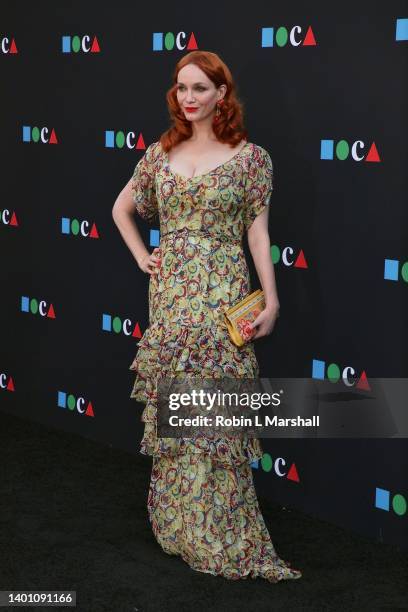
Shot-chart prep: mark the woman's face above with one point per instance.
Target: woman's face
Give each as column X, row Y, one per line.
column 196, row 91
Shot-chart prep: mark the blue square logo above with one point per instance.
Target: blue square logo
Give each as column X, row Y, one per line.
column 318, row 369
column 391, row 269
column 267, row 37
column 157, row 41
column 326, row 149
column 382, row 499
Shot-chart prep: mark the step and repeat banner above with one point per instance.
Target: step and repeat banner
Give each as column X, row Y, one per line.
column 324, row 91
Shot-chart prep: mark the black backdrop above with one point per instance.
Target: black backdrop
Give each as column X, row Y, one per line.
column 346, row 216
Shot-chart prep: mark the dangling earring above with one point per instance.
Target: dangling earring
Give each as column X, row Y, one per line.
column 218, row 111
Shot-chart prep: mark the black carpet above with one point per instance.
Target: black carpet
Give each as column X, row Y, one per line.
column 73, row 517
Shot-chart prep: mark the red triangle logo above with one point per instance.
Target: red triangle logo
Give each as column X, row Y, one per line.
column 301, row 260
column 51, row 313
column 10, row 385
column 372, row 155
column 53, row 138
column 293, row 474
column 13, row 48
column 89, row 410
column 136, row 332
column 95, row 46
column 140, row 143
column 192, row 43
column 363, row 382
column 13, row 220
column 309, row 39
column 94, row 232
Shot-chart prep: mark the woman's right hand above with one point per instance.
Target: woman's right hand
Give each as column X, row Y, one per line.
column 151, row 261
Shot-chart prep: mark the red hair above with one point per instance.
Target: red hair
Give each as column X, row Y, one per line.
column 229, row 127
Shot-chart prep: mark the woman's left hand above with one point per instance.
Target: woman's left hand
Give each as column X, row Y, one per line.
column 266, row 321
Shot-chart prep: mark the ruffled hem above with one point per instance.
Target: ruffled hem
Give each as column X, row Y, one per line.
column 205, row 351
column 273, row 571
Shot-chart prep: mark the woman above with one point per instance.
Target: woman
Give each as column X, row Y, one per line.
column 206, row 184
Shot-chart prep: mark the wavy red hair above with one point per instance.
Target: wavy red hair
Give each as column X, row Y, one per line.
column 229, row 127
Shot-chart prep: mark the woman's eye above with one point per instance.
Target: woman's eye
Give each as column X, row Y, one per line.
column 199, row 88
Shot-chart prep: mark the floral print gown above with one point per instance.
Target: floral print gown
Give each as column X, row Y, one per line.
column 202, row 503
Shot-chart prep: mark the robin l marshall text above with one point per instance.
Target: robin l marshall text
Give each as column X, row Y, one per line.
column 241, row 421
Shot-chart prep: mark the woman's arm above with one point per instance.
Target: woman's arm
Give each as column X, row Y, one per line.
column 260, row 247
column 123, row 212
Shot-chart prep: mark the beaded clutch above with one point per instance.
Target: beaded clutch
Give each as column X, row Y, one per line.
column 239, row 316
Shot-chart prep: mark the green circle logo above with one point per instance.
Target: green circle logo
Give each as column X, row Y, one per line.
column 75, row 227
column 342, row 149
column 117, row 325
column 71, row 402
column 76, row 44
column 35, row 134
column 399, row 504
column 169, row 41
column 266, row 462
column 333, row 372
column 120, row 140
column 275, row 253
column 281, row 36
column 34, row 306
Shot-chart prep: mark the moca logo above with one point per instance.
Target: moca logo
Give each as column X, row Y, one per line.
column 286, row 255
column 75, row 44
column 115, row 324
column 36, row 134
column 343, row 150
column 169, row 40
column 392, row 271
column 333, row 373
column 37, row 307
column 7, row 46
column 278, row 465
column 72, row 403
column 282, row 36
column 76, row 227
column 121, row 139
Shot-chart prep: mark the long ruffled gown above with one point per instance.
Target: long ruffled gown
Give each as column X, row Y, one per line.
column 202, row 503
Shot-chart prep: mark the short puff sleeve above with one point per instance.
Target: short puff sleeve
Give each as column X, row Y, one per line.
column 258, row 185
column 143, row 185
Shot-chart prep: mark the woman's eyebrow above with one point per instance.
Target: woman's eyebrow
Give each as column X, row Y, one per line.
column 199, row 83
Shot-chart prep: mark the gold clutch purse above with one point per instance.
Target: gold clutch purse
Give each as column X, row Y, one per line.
column 241, row 315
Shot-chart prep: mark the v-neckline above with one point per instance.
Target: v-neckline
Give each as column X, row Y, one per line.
column 190, row 178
